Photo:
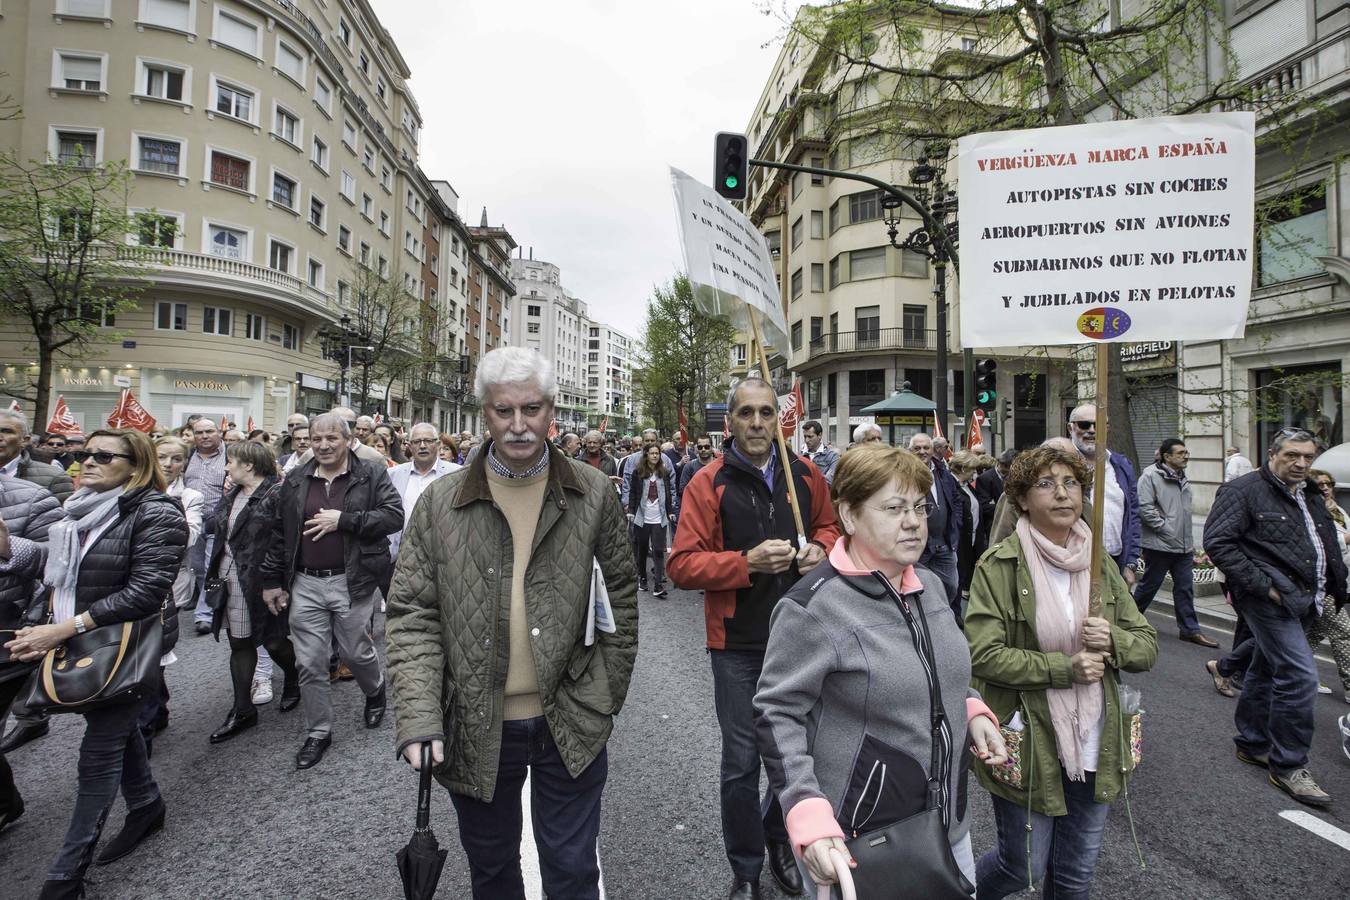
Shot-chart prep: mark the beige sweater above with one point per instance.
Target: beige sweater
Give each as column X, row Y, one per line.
column 520, row 500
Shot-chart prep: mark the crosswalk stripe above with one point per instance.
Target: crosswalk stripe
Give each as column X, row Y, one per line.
column 1317, row 826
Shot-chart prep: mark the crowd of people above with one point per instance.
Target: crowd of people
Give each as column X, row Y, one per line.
column 510, row 566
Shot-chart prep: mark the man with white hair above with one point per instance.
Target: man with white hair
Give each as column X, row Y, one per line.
column 16, row 461
column 946, row 517
column 363, row 450
column 363, row 428
column 1236, row 465
column 866, row 433
column 1122, row 529
column 488, row 644
column 412, row 478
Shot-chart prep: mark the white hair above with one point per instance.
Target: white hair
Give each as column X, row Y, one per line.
column 514, row 365
column 17, row 417
column 331, row 420
column 862, row 431
column 593, row 436
column 365, row 420
column 434, row 430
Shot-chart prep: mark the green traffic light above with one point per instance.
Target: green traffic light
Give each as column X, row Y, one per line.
column 731, row 181
column 984, row 397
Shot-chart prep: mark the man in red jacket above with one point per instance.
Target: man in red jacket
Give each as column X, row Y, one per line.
column 737, row 542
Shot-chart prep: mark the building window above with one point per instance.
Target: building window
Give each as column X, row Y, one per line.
column 253, row 326
column 384, row 223
column 864, row 207
column 383, row 267
column 363, row 63
column 228, row 242
column 1306, row 396
column 817, row 324
column 817, row 162
column 290, row 337
column 317, row 212
column 290, row 61
column 240, row 34
column 161, row 81
column 323, row 95
column 286, row 126
column 817, row 278
column 348, row 189
column 315, row 273
column 382, row 91
column 867, row 324
column 345, row 33
column 234, row 101
column 532, row 327
column 1293, row 233
column 279, row 256
column 364, row 255
column 368, row 158
column 817, row 224
column 797, row 233
column 834, row 272
column 913, row 264
column 386, row 177
column 229, row 171
column 319, row 153
column 171, row 316
column 342, row 292
column 79, row 73
column 344, row 239
column 796, row 335
column 175, row 14
column 283, row 190
column 869, row 263
column 154, row 230
column 969, row 44
column 217, row 321
column 796, row 184
column 349, row 135
column 159, row 155
column 532, row 310
column 915, row 319
column 77, row 148
column 796, row 284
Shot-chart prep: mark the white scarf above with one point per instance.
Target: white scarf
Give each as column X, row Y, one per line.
column 85, row 510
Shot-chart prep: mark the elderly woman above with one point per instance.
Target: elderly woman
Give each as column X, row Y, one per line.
column 248, row 511
column 1038, row 655
column 113, row 560
column 1334, row 623
column 867, row 433
column 851, row 632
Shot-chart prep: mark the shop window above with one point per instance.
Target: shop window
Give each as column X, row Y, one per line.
column 1293, row 233
column 1307, row 397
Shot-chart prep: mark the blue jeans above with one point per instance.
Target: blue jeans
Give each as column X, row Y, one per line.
column 747, row 819
column 1275, row 710
column 565, row 812
column 112, row 755
column 1063, row 848
column 1157, row 565
column 941, row 561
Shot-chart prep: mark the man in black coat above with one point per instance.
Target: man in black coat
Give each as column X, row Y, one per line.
column 988, row 488
column 947, row 514
column 329, row 551
column 1270, row 534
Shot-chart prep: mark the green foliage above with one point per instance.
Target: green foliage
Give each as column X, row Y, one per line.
column 688, row 354
column 65, row 264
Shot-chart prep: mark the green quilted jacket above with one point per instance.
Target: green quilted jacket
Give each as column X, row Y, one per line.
column 449, row 615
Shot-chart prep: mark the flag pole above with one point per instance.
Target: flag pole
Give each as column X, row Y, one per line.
column 778, row 430
column 1099, row 484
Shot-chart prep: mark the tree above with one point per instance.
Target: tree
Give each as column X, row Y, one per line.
column 386, row 336
column 912, row 76
column 66, row 269
column 688, row 354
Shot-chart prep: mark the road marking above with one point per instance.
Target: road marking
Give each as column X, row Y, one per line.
column 1318, row 827
column 529, row 852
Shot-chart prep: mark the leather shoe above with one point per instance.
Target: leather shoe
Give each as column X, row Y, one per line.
column 1200, row 638
column 783, row 868
column 14, row 813
column 375, row 708
column 344, row 673
column 290, row 697
column 235, row 722
column 21, row 734
column 140, row 824
column 203, row 628
column 62, row 889
column 312, row 751
column 744, row 889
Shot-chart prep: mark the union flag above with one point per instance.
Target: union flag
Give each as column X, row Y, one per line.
column 63, row 422
column 250, row 426
column 790, row 409
column 974, row 434
column 553, row 430
column 128, row 413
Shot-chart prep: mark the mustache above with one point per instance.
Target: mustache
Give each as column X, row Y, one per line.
column 528, row 437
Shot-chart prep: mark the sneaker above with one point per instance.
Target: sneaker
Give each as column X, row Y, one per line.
column 1254, row 759
column 1322, row 688
column 642, row 585
column 1299, row 784
column 659, row 592
column 262, row 692
column 1344, row 722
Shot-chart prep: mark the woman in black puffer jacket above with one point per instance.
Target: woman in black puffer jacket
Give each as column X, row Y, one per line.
column 113, row 560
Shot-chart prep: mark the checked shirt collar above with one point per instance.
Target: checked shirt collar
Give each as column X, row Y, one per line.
column 500, row 468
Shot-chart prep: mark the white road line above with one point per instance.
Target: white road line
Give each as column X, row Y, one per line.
column 529, row 852
column 1318, row 827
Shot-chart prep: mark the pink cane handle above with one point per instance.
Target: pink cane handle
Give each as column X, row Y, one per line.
column 841, row 871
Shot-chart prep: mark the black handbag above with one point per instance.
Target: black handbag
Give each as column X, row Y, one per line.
column 913, row 857
column 110, row 664
column 216, row 593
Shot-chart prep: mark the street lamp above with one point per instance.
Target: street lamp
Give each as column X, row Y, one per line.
column 931, row 240
column 338, row 344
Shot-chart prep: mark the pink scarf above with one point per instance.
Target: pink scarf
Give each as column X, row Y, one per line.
column 1074, row 710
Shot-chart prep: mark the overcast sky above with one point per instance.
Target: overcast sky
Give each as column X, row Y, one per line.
column 562, row 118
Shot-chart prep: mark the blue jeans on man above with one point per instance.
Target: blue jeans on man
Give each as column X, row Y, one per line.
column 941, row 561
column 565, row 812
column 747, row 819
column 1275, row 710
column 1064, row 849
column 1158, row 564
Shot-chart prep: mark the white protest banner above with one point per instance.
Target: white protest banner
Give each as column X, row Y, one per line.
column 1137, row 230
column 727, row 260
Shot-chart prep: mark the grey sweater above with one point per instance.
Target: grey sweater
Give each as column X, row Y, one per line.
column 842, row 710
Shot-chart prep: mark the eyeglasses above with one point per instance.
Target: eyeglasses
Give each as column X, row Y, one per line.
column 1299, row 434
column 102, row 457
column 1085, row 426
column 424, row 440
column 1049, row 486
column 919, row 510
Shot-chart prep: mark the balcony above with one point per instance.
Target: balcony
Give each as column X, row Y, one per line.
column 876, row 339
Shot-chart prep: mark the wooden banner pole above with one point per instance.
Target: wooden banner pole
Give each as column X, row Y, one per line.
column 783, row 457
column 1099, row 484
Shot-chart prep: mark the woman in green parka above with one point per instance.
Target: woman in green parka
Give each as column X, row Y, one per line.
column 1044, row 665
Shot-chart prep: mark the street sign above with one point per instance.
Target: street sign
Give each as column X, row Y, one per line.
column 1134, row 230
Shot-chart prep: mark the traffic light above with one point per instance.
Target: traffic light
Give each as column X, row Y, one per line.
column 730, row 165
column 986, row 383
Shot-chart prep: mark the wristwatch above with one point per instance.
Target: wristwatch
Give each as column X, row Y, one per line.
column 80, row 624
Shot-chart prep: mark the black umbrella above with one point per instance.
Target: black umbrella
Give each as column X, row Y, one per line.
column 420, row 862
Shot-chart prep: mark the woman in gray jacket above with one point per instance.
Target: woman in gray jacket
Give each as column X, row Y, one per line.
column 843, row 713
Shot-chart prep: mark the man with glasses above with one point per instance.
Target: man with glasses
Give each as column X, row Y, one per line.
column 412, row 478
column 1121, row 530
column 1270, row 534
column 1168, row 538
column 299, row 441
column 55, row 444
column 703, row 454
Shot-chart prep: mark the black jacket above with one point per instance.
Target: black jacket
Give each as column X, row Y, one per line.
column 248, row 541
column 1256, row 536
column 955, row 500
column 988, row 488
column 129, row 571
column 371, row 511
column 46, row 475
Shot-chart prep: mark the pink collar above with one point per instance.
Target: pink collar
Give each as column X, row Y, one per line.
column 843, row 564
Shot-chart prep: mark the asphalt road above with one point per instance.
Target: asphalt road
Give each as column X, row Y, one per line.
column 242, row 822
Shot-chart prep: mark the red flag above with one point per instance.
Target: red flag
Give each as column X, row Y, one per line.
column 250, row 425
column 224, row 423
column 974, row 435
column 553, row 429
column 15, row 407
column 789, row 410
column 63, row 422
column 379, row 418
column 684, row 422
column 130, row 414
column 604, row 425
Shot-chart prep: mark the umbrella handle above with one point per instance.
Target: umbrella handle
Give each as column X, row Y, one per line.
column 424, row 789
